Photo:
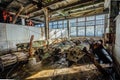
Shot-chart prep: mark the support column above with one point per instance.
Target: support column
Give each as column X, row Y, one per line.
column 46, row 16
column 68, row 28
column 113, row 11
column 23, row 21
column 106, row 28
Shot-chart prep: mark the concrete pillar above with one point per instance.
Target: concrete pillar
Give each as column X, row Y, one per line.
column 23, row 21
column 113, row 11
column 46, row 16
column 106, row 27
column 68, row 28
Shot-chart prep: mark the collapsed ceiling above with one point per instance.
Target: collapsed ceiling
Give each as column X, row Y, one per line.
column 58, row 9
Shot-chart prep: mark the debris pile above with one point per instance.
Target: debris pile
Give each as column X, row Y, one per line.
column 66, row 54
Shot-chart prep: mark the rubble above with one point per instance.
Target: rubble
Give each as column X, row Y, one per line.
column 62, row 56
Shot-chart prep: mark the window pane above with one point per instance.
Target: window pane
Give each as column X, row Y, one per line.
column 90, row 18
column 90, row 31
column 42, row 25
column 81, row 19
column 54, row 25
column 72, row 20
column 73, row 24
column 89, row 23
column 50, row 25
column 99, row 30
column 59, row 22
column 60, row 25
column 65, row 23
column 100, row 22
column 81, row 31
column 81, row 24
column 100, row 17
column 73, row 31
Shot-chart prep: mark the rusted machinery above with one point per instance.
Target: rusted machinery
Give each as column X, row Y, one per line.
column 9, row 59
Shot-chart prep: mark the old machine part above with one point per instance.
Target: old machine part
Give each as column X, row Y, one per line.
column 9, row 59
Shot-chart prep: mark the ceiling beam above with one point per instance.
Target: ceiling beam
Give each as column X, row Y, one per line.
column 89, row 12
column 17, row 14
column 53, row 2
column 31, row 9
column 101, row 4
column 89, row 8
column 92, row 2
column 37, row 20
column 26, row 8
column 22, row 16
column 50, row 3
column 81, row 2
column 80, row 14
column 36, row 8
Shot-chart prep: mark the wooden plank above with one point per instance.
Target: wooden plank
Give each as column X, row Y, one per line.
column 30, row 50
column 15, row 19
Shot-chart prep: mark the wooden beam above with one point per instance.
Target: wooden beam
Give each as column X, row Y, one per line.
column 26, row 8
column 37, row 9
column 83, row 4
column 87, row 13
column 15, row 19
column 37, row 20
column 51, row 3
column 30, row 45
column 22, row 16
column 88, row 7
column 45, row 10
column 31, row 9
column 81, row 13
column 72, row 5
column 80, row 3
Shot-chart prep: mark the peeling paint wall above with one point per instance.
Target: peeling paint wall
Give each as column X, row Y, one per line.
column 117, row 40
column 11, row 34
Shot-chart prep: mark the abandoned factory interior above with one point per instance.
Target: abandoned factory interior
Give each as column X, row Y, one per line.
column 59, row 40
